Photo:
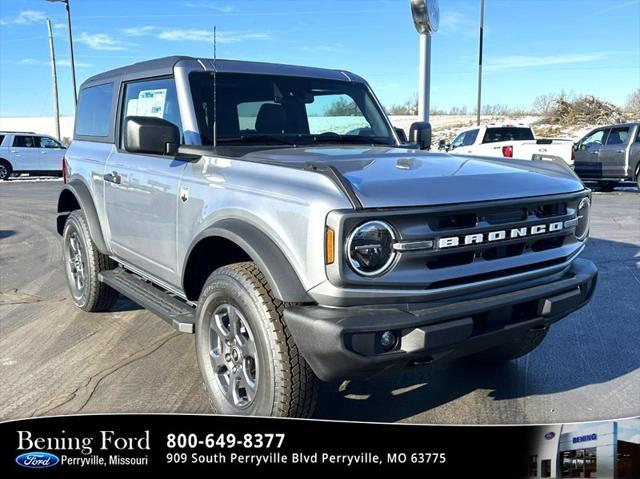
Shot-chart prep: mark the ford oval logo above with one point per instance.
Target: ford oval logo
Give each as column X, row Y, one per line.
column 37, row 460
column 550, row 435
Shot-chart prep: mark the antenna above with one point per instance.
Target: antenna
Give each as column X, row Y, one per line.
column 215, row 91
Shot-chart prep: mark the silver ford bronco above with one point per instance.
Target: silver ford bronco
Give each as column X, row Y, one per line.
column 275, row 212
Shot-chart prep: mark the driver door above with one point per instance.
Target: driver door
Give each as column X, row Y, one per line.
column 588, row 163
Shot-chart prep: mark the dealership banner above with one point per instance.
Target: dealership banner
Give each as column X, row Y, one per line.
column 145, row 443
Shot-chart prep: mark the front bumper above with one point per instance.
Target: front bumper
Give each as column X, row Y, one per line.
column 343, row 343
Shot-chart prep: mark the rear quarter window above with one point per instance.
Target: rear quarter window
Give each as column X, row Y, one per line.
column 94, row 116
column 1, row 139
column 494, row 135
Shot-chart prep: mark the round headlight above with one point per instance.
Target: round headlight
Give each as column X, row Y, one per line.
column 370, row 248
column 584, row 218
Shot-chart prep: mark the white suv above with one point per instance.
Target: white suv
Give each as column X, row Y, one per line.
column 26, row 152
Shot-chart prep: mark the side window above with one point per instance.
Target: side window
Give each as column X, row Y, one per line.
column 154, row 98
column 336, row 114
column 248, row 114
column 618, row 136
column 638, row 135
column 593, row 141
column 22, row 141
column 94, row 111
column 470, row 137
column 1, row 139
column 46, row 142
column 459, row 141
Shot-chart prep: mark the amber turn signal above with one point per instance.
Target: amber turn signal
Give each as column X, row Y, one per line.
column 329, row 246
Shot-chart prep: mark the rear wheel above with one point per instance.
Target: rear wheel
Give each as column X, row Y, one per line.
column 638, row 176
column 513, row 349
column 5, row 170
column 83, row 262
column 249, row 362
column 607, row 185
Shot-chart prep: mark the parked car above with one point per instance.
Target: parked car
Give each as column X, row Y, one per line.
column 511, row 141
column 610, row 154
column 299, row 246
column 27, row 152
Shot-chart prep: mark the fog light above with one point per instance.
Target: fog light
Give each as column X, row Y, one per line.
column 388, row 340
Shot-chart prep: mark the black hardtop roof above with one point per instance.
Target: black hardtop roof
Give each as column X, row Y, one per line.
column 165, row 65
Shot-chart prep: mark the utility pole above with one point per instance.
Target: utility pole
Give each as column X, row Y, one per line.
column 56, row 110
column 480, row 63
column 73, row 64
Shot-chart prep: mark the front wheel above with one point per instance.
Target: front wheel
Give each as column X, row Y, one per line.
column 248, row 360
column 512, row 350
column 83, row 262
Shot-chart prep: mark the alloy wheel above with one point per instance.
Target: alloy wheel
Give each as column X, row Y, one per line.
column 233, row 355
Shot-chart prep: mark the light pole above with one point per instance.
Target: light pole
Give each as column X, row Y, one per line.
column 54, row 76
column 73, row 65
column 480, row 63
column 426, row 16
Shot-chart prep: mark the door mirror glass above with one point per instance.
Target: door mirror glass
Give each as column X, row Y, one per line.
column 151, row 135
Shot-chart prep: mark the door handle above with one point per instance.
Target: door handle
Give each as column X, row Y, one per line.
column 619, row 151
column 14, row 151
column 595, row 152
column 43, row 152
column 113, row 177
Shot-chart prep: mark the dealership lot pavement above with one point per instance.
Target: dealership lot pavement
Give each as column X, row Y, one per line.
column 56, row 359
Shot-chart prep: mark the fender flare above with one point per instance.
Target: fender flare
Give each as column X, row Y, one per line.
column 282, row 278
column 81, row 193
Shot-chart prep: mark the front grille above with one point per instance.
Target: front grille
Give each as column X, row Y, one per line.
column 447, row 283
column 484, row 221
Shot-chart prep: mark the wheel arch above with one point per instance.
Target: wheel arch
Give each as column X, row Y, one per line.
column 76, row 195
column 230, row 241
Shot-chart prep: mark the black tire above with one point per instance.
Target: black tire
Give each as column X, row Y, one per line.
column 607, row 185
column 270, row 376
column 512, row 350
column 81, row 255
column 5, row 170
column 638, row 176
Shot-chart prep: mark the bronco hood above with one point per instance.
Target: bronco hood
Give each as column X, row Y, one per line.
column 385, row 177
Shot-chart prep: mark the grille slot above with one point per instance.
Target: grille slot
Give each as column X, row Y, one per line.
column 548, row 243
column 451, row 259
column 453, row 222
column 505, row 251
column 501, row 217
column 549, row 210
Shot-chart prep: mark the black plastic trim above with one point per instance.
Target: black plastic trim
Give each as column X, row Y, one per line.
column 444, row 330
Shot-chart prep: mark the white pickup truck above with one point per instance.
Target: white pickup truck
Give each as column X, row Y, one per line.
column 511, row 141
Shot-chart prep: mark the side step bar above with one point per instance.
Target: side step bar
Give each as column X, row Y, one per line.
column 177, row 313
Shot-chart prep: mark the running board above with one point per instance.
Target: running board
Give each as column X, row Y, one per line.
column 177, row 313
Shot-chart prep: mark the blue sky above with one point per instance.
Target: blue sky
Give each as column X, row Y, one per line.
column 532, row 47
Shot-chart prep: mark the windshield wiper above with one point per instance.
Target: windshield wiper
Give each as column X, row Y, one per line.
column 262, row 139
column 356, row 139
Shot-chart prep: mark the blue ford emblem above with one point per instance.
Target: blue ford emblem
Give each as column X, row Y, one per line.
column 37, row 460
column 550, row 435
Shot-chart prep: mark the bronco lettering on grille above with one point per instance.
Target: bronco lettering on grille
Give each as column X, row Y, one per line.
column 490, row 236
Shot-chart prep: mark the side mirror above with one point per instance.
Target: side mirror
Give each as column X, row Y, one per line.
column 147, row 134
column 420, row 133
column 402, row 136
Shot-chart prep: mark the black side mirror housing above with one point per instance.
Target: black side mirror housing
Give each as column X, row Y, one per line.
column 402, row 136
column 420, row 133
column 147, row 134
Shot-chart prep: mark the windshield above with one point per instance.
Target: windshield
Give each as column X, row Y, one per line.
column 270, row 109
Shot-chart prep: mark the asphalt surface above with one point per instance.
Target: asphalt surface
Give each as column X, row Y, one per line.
column 56, row 359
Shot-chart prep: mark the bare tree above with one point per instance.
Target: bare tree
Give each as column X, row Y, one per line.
column 633, row 102
column 543, row 104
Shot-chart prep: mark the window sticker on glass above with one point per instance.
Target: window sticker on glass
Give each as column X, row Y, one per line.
column 148, row 103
